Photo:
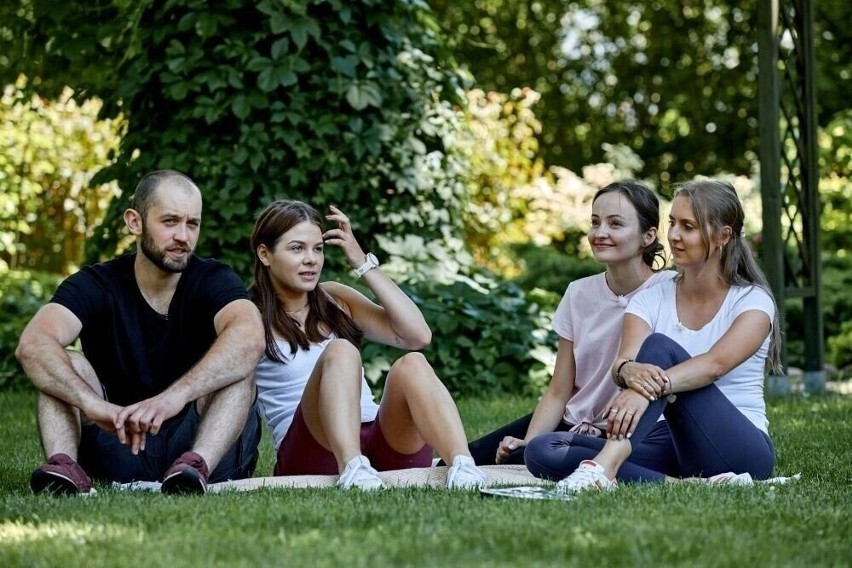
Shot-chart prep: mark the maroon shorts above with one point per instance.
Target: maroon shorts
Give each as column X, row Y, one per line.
column 300, row 454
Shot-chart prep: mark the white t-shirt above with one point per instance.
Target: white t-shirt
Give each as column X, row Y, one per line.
column 590, row 315
column 743, row 385
column 280, row 387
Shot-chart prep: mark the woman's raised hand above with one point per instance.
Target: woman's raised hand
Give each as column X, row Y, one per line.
column 343, row 237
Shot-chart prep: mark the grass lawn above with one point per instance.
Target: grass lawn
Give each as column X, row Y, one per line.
column 799, row 524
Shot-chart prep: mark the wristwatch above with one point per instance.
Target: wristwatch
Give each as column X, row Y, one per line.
column 368, row 265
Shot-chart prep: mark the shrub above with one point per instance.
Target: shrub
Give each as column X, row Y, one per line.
column 840, row 347
column 549, row 268
column 489, row 336
column 21, row 295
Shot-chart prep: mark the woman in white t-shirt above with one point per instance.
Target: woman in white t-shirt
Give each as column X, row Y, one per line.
column 310, row 381
column 693, row 349
column 623, row 236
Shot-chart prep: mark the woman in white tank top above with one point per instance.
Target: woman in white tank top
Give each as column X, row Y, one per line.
column 310, row 381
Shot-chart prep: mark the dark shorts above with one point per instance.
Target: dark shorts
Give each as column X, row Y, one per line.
column 300, row 454
column 106, row 459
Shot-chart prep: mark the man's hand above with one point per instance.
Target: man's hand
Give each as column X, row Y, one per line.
column 105, row 415
column 146, row 417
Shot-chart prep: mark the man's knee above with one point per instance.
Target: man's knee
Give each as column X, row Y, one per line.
column 85, row 370
column 237, row 395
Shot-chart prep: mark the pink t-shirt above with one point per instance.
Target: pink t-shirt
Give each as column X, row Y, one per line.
column 590, row 315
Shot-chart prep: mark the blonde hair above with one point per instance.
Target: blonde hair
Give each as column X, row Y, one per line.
column 716, row 205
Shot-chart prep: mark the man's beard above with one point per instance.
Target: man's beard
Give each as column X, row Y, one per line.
column 158, row 256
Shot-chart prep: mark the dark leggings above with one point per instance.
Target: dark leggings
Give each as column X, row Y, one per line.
column 708, row 434
column 484, row 449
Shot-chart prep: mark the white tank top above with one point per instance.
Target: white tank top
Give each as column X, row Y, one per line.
column 280, row 387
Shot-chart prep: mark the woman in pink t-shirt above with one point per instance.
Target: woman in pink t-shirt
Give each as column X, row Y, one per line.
column 623, row 235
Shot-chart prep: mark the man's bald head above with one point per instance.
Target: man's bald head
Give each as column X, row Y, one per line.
column 146, row 190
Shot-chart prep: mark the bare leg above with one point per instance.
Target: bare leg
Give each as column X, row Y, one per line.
column 223, row 417
column 417, row 409
column 59, row 423
column 614, row 454
column 331, row 401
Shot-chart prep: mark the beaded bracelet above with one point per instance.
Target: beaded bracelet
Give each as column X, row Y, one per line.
column 618, row 380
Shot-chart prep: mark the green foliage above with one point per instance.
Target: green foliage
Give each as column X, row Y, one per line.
column 552, row 269
column 514, row 200
column 21, row 295
column 51, row 150
column 836, row 304
column 840, row 346
column 488, row 337
column 670, row 79
column 664, row 77
column 333, row 102
column 835, row 184
column 505, row 167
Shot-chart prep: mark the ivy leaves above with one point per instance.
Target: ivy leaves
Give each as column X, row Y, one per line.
column 321, row 101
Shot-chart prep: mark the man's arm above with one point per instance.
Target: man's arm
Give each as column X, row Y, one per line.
column 233, row 357
column 42, row 354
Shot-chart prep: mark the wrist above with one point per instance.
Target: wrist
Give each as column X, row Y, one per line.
column 619, row 379
column 668, row 392
column 370, row 262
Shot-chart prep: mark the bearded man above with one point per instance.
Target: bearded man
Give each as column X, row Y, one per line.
column 164, row 387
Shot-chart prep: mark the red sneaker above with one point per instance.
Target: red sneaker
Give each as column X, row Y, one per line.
column 61, row 475
column 187, row 475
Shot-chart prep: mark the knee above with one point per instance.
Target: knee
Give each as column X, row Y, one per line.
column 84, row 369
column 342, row 350
column 657, row 349
column 544, row 455
column 239, row 395
column 411, row 365
column 657, row 341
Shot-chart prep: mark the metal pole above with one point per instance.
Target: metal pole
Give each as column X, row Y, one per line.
column 772, row 243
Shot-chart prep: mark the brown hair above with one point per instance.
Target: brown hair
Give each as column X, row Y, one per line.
column 278, row 218
column 647, row 208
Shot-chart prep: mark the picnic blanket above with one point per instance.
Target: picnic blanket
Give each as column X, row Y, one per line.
column 436, row 476
column 415, row 477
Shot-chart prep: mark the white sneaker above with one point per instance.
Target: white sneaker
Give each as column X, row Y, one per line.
column 464, row 474
column 359, row 474
column 589, row 475
column 729, row 478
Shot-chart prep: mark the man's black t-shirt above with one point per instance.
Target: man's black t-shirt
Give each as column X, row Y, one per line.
column 135, row 351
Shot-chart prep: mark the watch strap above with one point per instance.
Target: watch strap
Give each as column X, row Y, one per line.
column 369, row 264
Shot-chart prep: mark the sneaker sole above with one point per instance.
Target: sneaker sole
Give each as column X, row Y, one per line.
column 53, row 483
column 183, row 483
